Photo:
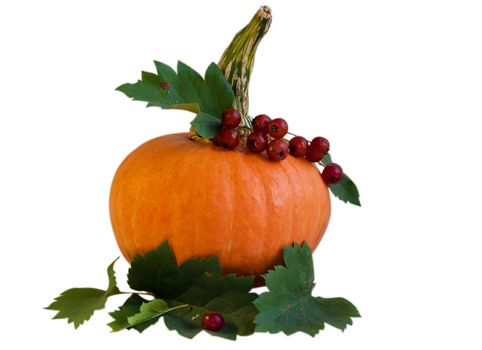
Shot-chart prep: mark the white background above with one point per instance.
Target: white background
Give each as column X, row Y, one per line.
column 395, row 85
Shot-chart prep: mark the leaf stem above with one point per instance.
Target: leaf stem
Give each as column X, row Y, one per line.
column 177, row 307
column 134, row 292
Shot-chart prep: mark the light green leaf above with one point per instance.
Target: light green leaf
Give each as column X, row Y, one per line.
column 151, row 311
column 131, row 307
column 78, row 304
column 112, row 288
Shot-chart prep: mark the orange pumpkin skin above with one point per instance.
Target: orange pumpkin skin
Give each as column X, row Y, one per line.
column 206, row 201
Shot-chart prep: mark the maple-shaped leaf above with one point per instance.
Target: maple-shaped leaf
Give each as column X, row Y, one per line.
column 345, row 190
column 157, row 272
column 186, row 90
column 78, row 304
column 199, row 284
column 289, row 306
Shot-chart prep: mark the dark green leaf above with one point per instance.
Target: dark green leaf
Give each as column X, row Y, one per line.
column 198, row 283
column 131, row 307
column 187, row 327
column 236, row 307
column 206, row 125
column 216, row 82
column 147, row 90
column 346, row 189
column 157, row 272
column 228, row 295
column 327, row 159
column 337, row 312
column 289, row 306
column 186, row 90
column 78, row 304
column 168, row 75
column 193, row 89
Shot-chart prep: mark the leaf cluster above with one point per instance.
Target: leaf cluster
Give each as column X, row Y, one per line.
column 182, row 294
column 187, row 90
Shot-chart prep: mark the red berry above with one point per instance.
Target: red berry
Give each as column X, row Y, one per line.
column 317, row 149
column 277, row 128
column 231, row 118
column 213, row 321
column 165, row 85
column 277, row 150
column 260, row 123
column 227, row 138
column 332, row 174
column 298, row 146
column 256, row 142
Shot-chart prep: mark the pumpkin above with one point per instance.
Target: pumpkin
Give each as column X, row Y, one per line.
column 206, row 201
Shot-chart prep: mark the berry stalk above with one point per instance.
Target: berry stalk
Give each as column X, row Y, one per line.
column 238, row 59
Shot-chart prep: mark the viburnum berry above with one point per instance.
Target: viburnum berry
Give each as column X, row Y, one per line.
column 256, row 142
column 332, row 174
column 298, row 146
column 277, row 128
column 231, row 118
column 260, row 123
column 277, row 150
column 212, row 321
column 227, row 138
column 317, row 149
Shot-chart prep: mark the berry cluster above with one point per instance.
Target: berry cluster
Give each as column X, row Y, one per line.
column 228, row 138
column 267, row 135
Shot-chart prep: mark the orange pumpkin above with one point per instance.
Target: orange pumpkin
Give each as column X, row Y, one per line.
column 205, row 201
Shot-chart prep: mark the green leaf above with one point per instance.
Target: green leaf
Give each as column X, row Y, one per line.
column 168, row 75
column 157, row 272
column 149, row 311
column 131, row 307
column 139, row 314
column 289, row 306
column 112, row 287
column 193, row 89
column 186, row 90
column 77, row 305
column 216, row 82
column 346, row 189
column 228, row 295
column 236, row 307
column 206, row 125
column 199, row 284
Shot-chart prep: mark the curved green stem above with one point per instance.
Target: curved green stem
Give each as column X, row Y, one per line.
column 238, row 59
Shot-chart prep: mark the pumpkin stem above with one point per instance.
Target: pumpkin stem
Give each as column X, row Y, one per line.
column 237, row 60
